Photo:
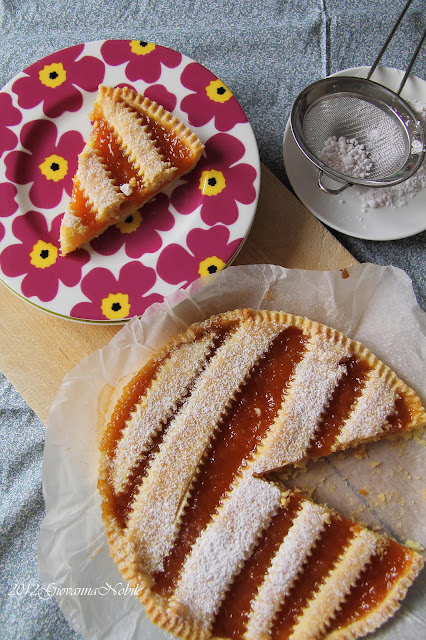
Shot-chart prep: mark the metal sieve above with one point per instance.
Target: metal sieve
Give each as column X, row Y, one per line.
column 365, row 111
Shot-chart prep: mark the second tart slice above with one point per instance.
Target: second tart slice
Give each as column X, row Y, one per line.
column 135, row 149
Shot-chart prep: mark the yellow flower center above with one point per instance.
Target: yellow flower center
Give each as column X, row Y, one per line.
column 52, row 75
column 141, row 48
column 131, row 223
column 43, row 254
column 212, row 182
column 116, row 306
column 218, row 91
column 210, row 265
column 54, row 168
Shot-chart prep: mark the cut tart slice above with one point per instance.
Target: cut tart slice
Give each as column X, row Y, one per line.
column 215, row 547
column 135, row 149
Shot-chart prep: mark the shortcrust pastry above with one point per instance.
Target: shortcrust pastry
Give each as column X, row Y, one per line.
column 135, row 149
column 217, row 548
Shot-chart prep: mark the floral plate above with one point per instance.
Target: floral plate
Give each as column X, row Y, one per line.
column 185, row 232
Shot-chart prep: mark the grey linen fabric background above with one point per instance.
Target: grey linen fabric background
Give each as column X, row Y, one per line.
column 266, row 52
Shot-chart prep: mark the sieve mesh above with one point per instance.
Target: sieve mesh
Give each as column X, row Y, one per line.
column 375, row 126
column 375, row 120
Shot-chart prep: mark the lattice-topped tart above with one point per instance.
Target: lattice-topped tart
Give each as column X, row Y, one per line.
column 135, row 149
column 193, row 517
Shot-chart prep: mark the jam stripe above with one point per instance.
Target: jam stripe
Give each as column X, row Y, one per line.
column 378, row 592
column 286, row 565
column 159, row 505
column 315, row 378
column 136, row 143
column 311, row 625
column 231, row 619
column 350, row 387
column 108, row 145
column 221, row 550
column 329, row 548
column 173, row 380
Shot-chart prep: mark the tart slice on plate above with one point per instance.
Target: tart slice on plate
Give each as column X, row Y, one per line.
column 214, row 545
column 135, row 149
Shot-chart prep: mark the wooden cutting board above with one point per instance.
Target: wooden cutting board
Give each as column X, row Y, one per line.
column 37, row 349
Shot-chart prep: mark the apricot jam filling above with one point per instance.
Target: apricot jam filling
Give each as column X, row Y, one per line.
column 375, row 583
column 233, row 614
column 401, row 417
column 247, row 421
column 111, row 152
column 81, row 206
column 173, row 149
column 345, row 394
column 332, row 543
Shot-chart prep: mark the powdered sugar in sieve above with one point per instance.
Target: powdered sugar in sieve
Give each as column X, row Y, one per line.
column 376, row 133
column 346, row 155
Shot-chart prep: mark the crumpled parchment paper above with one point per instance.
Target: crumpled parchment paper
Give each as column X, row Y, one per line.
column 373, row 304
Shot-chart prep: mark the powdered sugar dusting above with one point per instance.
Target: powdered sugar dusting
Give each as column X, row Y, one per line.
column 96, row 183
column 154, row 521
column 370, row 412
column 314, row 380
column 172, row 382
column 220, row 551
column 398, row 195
column 286, row 565
column 312, row 622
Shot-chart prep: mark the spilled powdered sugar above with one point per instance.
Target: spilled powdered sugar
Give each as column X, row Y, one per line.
column 400, row 194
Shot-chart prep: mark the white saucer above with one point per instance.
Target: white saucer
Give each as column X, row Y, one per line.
column 346, row 212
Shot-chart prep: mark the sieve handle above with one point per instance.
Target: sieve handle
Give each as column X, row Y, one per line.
column 328, row 190
column 389, row 38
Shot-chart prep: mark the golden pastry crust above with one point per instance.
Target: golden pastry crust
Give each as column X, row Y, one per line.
column 126, row 161
column 247, row 392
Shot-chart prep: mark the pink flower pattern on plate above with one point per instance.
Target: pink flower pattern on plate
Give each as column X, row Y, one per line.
column 49, row 163
column 159, row 94
column 108, row 295
column 211, row 99
column 208, row 252
column 9, row 116
column 53, row 81
column 139, row 233
column 218, row 182
column 37, row 256
column 8, row 194
column 39, row 159
column 144, row 59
